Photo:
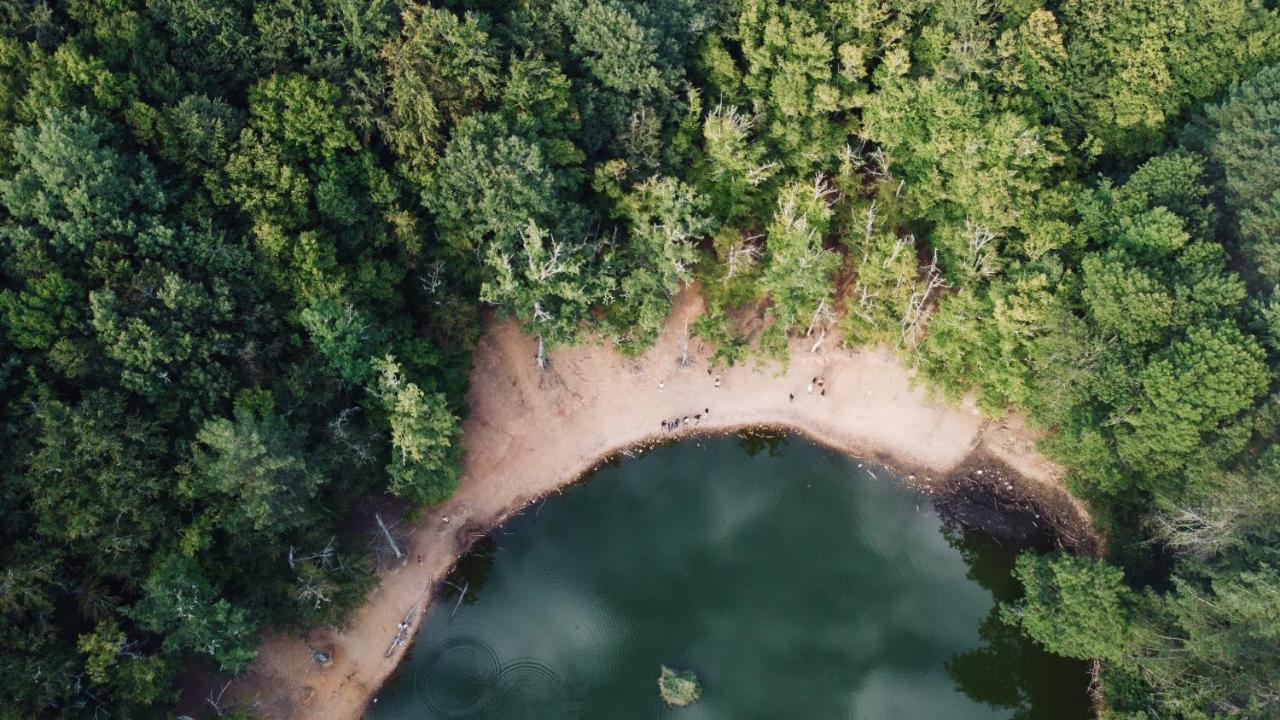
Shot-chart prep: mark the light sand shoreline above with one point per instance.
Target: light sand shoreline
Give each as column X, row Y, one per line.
column 531, row 433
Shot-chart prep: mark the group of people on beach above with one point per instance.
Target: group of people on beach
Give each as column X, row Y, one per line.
column 819, row 382
column 687, row 420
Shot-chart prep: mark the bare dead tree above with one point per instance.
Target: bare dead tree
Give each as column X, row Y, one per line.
column 433, row 278
column 1095, row 683
column 215, row 702
column 869, row 224
column 402, row 631
column 739, row 125
column 684, row 347
column 881, row 164
column 545, row 268
column 821, row 320
column 914, row 315
column 461, row 595
column 981, row 258
column 309, row 591
column 326, row 556
column 338, row 430
column 866, row 303
column 742, row 254
column 387, row 536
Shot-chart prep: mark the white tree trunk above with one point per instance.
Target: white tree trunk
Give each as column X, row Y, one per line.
column 387, row 534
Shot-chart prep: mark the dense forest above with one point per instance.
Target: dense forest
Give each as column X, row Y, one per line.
column 245, row 246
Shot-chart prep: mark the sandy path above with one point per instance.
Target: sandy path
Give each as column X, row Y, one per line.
column 532, row 432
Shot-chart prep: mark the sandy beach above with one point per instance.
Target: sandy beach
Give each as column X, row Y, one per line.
column 531, row 432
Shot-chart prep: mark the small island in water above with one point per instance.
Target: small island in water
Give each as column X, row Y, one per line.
column 678, row 688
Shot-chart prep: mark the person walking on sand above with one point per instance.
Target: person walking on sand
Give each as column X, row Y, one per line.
column 791, row 397
column 717, row 382
column 662, row 386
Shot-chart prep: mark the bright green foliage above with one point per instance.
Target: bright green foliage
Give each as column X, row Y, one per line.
column 111, row 454
column 1197, row 386
column 544, row 283
column 75, row 196
column 798, row 269
column 793, row 62
column 1174, row 376
column 881, row 306
column 179, row 602
column 323, row 211
column 424, row 437
column 980, row 175
column 537, row 101
column 114, row 666
column 1130, row 68
column 888, row 300
column 736, row 170
column 665, row 218
column 250, row 475
column 345, row 335
column 1074, row 606
column 439, row 68
column 1245, row 144
column 489, row 184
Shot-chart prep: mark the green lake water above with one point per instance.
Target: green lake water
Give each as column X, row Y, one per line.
column 794, row 581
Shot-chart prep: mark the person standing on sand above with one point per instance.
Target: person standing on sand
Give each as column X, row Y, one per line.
column 791, row 397
column 810, row 388
column 662, row 386
column 717, row 382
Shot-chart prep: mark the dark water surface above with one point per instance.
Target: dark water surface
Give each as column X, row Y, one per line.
column 793, row 582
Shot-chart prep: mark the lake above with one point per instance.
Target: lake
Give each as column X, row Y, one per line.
column 794, row 581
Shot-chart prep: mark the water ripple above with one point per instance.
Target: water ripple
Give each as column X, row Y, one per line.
column 457, row 676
